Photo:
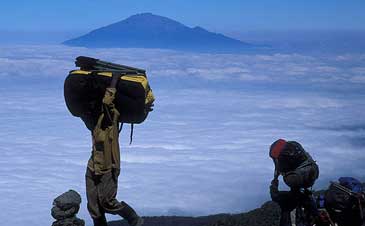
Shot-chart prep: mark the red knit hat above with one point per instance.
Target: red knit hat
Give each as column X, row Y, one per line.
column 276, row 148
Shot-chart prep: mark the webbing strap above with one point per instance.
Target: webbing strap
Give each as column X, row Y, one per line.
column 131, row 136
column 105, row 109
column 120, row 127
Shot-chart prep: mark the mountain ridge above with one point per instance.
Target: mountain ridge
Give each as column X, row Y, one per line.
column 147, row 30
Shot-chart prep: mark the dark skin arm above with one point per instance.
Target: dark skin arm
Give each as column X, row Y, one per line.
column 111, row 90
column 287, row 200
column 90, row 119
column 115, row 79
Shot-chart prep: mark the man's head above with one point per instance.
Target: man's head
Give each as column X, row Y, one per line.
column 277, row 147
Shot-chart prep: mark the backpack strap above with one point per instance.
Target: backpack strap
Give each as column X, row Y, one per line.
column 131, row 135
column 309, row 160
column 100, row 119
column 120, row 127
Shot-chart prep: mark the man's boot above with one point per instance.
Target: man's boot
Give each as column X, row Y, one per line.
column 130, row 215
column 101, row 221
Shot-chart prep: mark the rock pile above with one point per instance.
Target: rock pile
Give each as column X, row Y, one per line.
column 65, row 208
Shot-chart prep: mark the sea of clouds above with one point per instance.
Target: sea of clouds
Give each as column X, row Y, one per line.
column 203, row 150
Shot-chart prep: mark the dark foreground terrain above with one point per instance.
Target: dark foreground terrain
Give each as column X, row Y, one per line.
column 267, row 215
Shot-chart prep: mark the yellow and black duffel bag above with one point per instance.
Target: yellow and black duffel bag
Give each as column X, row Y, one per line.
column 84, row 90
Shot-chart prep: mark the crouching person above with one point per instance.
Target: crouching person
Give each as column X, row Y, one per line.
column 299, row 172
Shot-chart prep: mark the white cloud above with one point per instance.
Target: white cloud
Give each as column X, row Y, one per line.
column 358, row 79
column 201, row 151
column 48, row 61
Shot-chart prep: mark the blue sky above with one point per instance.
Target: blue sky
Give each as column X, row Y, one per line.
column 216, row 15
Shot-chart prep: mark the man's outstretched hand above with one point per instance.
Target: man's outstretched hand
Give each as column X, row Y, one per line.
column 275, row 182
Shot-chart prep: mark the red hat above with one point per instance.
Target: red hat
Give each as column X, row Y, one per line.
column 276, row 148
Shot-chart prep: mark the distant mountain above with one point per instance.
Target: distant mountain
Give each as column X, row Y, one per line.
column 151, row 31
column 267, row 215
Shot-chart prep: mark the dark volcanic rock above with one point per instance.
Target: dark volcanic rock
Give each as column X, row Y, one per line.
column 73, row 221
column 64, row 210
column 151, row 31
column 267, row 215
column 174, row 221
column 59, row 214
column 68, row 200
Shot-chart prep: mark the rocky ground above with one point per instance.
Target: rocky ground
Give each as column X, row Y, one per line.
column 267, row 215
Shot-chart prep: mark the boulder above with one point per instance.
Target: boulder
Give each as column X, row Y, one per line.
column 64, row 210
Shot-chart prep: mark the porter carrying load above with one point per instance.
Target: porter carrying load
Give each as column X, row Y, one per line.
column 84, row 90
column 298, row 168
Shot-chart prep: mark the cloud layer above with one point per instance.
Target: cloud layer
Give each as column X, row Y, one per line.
column 54, row 61
column 201, row 151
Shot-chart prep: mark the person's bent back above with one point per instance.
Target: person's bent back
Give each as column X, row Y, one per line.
column 299, row 172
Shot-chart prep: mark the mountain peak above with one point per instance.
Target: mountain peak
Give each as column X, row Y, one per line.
column 144, row 15
column 140, row 16
column 150, row 19
column 146, row 30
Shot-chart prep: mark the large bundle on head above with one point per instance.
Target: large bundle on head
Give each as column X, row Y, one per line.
column 84, row 90
column 298, row 168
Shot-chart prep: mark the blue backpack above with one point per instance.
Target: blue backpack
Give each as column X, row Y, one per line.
column 345, row 201
column 352, row 184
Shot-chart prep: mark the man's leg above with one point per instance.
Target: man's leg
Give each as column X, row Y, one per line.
column 96, row 213
column 107, row 191
column 285, row 218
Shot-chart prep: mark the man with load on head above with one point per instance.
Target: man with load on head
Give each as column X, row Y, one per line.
column 104, row 164
column 299, row 172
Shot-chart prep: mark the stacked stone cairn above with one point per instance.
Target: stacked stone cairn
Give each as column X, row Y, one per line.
column 65, row 208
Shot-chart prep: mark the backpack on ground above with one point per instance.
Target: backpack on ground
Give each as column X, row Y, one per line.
column 345, row 201
column 84, row 90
